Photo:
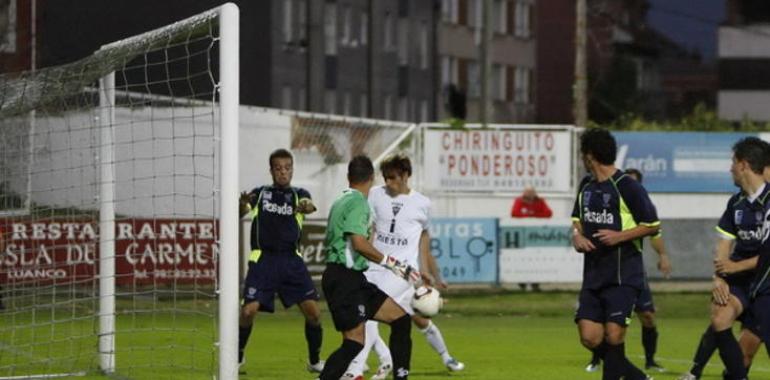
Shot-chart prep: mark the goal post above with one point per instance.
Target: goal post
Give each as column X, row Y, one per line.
column 119, row 208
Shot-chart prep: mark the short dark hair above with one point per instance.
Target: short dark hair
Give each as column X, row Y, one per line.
column 360, row 169
column 280, row 153
column 634, row 172
column 398, row 162
column 753, row 150
column 600, row 143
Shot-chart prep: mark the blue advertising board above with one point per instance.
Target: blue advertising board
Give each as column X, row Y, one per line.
column 465, row 249
column 687, row 162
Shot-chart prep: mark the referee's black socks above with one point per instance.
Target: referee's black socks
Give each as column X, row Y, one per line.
column 401, row 346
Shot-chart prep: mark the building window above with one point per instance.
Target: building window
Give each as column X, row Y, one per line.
column 302, row 21
column 286, row 97
column 388, row 32
column 347, row 38
column 500, row 15
column 346, row 104
column 403, row 41
column 364, row 28
column 474, row 82
column 498, row 82
column 330, row 28
column 364, row 106
column 521, row 23
column 387, row 111
column 288, row 30
column 330, row 102
column 475, row 13
column 449, row 11
column 302, row 99
column 8, row 26
column 424, row 45
column 521, row 85
column 423, row 111
column 403, row 109
column 449, row 70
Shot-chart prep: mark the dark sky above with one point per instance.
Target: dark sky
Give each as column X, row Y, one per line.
column 691, row 23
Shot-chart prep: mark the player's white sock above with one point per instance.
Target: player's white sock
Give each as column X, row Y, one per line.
column 372, row 334
column 380, row 347
column 436, row 340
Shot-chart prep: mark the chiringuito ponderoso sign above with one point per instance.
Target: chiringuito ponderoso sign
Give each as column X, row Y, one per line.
column 497, row 160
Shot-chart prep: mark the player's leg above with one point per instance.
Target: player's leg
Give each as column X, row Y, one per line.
column 436, row 340
column 297, row 288
column 346, row 295
column 313, row 334
column 706, row 347
column 356, row 368
column 645, row 309
column 258, row 295
column 618, row 302
column 384, row 357
column 338, row 361
column 761, row 312
column 749, row 342
column 590, row 320
column 400, row 336
column 722, row 319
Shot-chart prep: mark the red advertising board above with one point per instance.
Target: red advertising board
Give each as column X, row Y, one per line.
column 147, row 251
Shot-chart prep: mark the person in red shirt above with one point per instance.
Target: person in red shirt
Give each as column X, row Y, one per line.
column 529, row 205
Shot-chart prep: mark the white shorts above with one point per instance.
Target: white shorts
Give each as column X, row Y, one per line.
column 396, row 287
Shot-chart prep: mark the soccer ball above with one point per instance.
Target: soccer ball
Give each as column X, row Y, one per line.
column 427, row 301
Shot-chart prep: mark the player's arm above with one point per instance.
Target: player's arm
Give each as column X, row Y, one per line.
column 581, row 243
column 721, row 290
column 612, row 237
column 363, row 246
column 305, row 203
column 244, row 203
column 428, row 262
column 664, row 263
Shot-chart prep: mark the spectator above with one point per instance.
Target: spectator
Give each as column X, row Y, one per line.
column 529, row 205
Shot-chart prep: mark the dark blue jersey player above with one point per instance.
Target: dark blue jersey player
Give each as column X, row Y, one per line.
column 612, row 214
column 275, row 264
column 740, row 231
column 644, row 308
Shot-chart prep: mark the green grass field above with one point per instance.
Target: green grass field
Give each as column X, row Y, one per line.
column 499, row 335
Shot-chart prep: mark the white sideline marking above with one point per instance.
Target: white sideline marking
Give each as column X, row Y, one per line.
column 47, row 376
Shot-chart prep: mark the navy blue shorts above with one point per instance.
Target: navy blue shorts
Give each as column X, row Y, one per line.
column 760, row 310
column 610, row 304
column 352, row 299
column 644, row 301
column 285, row 274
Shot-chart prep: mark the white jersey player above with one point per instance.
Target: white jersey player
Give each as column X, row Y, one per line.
column 401, row 216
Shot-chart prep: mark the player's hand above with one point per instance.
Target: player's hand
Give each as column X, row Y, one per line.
column 664, row 265
column 582, row 244
column 609, row 237
column 405, row 271
column 721, row 291
column 243, row 203
column 305, row 206
column 726, row 266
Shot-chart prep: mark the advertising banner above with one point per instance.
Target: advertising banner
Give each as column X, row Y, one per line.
column 497, row 160
column 148, row 251
column 686, row 162
column 537, row 250
column 465, row 249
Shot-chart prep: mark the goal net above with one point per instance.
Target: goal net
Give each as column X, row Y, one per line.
column 116, row 200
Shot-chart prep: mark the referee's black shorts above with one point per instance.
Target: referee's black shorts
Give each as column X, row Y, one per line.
column 352, row 300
